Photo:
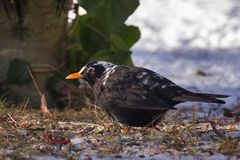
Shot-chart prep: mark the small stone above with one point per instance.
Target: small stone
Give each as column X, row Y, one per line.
column 78, row 141
column 141, row 156
column 22, row 132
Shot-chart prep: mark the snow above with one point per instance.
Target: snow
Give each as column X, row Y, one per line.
column 181, row 38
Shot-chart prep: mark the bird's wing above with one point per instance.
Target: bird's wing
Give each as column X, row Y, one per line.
column 172, row 93
column 159, row 86
column 135, row 88
column 140, row 88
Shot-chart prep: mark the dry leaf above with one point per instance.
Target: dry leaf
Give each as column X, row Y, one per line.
column 44, row 107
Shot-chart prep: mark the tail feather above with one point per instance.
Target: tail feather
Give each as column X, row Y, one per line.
column 212, row 95
column 201, row 97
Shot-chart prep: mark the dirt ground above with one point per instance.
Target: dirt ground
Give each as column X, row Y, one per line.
column 26, row 133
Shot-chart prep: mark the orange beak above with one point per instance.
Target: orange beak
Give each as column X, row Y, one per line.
column 76, row 75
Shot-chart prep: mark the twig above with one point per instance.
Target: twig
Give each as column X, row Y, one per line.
column 96, row 113
column 80, row 124
column 24, row 107
column 14, row 122
column 34, row 82
column 44, row 107
column 44, row 68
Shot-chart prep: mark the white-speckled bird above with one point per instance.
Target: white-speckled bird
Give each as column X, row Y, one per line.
column 136, row 96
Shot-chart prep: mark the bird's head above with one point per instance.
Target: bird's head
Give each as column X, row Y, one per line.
column 92, row 71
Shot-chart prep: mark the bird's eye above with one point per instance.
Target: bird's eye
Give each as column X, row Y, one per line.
column 91, row 70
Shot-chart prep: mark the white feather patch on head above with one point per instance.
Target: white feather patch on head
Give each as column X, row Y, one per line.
column 105, row 64
column 83, row 68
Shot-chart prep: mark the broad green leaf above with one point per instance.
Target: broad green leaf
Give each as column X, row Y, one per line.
column 130, row 35
column 123, row 58
column 118, row 42
column 91, row 37
column 102, row 34
column 105, row 55
column 112, row 12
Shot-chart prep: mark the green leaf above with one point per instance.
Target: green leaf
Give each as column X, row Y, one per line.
column 109, row 13
column 118, row 42
column 104, row 55
column 130, row 35
column 17, row 72
column 123, row 58
column 126, row 37
column 102, row 34
column 89, row 36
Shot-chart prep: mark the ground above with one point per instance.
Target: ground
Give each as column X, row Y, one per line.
column 88, row 134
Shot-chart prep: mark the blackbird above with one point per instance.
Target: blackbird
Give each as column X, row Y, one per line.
column 136, row 96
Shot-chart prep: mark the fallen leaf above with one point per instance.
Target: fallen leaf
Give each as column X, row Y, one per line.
column 44, row 107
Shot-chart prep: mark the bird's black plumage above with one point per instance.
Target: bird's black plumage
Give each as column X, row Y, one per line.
column 136, row 96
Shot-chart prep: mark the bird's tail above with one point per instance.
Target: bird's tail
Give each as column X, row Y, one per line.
column 201, row 97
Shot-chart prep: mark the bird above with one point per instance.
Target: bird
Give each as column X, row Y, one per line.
column 136, row 96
